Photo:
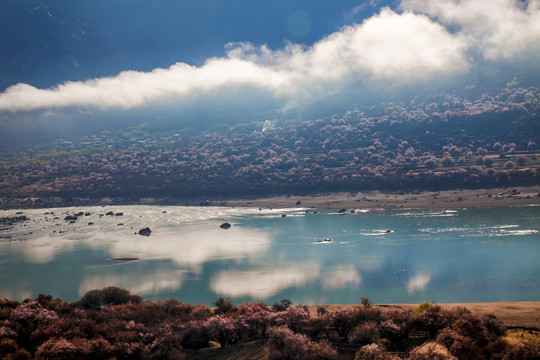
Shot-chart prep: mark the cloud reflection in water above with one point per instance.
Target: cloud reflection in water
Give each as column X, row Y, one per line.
column 418, row 282
column 193, row 246
column 340, row 277
column 263, row 283
column 149, row 284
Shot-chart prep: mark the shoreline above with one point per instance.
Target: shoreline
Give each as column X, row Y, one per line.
column 429, row 200
column 514, row 314
column 518, row 196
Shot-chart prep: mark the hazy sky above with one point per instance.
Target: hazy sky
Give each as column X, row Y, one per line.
column 371, row 46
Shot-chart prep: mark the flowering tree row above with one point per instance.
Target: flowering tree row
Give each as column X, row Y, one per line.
column 111, row 323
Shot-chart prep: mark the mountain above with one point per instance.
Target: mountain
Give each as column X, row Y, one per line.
column 41, row 44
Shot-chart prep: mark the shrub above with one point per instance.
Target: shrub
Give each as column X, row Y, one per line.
column 256, row 316
column 20, row 354
column 91, row 300
column 322, row 310
column 201, row 312
column 430, row 351
column 460, row 346
column 8, row 346
column 525, row 349
column 496, row 349
column 225, row 330
column 371, row 352
column 344, row 320
column 398, row 316
column 495, row 328
column 112, row 295
column 182, row 312
column 44, row 300
column 128, row 350
column 62, row 349
column 294, row 317
column 365, row 333
column 163, row 348
column 471, row 326
column 135, row 299
column 369, row 314
column 224, row 306
column 432, row 319
column 284, row 344
column 282, row 305
column 115, row 296
column 316, row 326
column 392, row 331
column 32, row 312
column 365, row 301
column 421, row 308
column 195, row 334
column 322, row 350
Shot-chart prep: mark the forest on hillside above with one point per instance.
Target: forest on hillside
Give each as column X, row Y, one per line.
column 446, row 141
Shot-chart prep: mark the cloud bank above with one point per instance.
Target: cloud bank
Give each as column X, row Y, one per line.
column 429, row 40
column 497, row 29
column 389, row 47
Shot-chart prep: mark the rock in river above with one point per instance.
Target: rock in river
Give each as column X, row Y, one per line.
column 145, row 232
column 225, row 226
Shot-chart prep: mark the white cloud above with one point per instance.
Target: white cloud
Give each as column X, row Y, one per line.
column 389, row 47
column 500, row 29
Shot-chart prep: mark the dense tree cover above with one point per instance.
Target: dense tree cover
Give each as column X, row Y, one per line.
column 111, row 323
column 443, row 141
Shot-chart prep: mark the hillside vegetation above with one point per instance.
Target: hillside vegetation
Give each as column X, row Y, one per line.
column 438, row 142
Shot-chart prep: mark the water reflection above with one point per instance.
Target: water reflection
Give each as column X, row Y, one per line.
column 190, row 246
column 341, row 276
column 148, row 284
column 43, row 250
column 263, row 283
column 418, row 282
column 264, row 256
column 17, row 293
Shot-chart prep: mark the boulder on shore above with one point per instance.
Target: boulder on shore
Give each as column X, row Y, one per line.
column 225, row 226
column 145, row 232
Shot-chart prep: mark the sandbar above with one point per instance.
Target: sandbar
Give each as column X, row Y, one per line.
column 377, row 200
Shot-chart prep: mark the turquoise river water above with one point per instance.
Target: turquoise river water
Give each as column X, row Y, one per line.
column 456, row 255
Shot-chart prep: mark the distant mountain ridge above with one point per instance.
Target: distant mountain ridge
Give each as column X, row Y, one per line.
column 41, row 44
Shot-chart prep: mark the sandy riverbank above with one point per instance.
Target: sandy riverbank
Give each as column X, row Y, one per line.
column 447, row 199
column 525, row 314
